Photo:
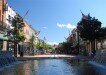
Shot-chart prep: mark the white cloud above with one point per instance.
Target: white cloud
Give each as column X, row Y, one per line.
column 60, row 25
column 69, row 26
column 52, row 43
column 44, row 27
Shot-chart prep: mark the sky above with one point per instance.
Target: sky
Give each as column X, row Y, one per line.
column 56, row 18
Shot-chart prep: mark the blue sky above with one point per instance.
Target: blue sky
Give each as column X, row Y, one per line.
column 54, row 18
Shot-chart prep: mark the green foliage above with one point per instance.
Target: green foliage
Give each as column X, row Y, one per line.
column 37, row 45
column 45, row 46
column 16, row 33
column 32, row 39
column 32, row 42
column 88, row 28
column 75, row 42
column 64, row 47
column 101, row 33
column 48, row 47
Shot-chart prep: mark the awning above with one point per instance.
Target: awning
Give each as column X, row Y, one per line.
column 2, row 37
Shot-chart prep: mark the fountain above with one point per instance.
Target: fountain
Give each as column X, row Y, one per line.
column 99, row 60
column 6, row 58
column 100, row 56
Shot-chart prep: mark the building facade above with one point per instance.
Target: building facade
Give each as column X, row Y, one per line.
column 10, row 14
column 29, row 32
column 3, row 25
column 7, row 14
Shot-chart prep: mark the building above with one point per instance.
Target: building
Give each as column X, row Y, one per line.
column 10, row 13
column 6, row 16
column 31, row 37
column 29, row 32
column 34, row 33
column 3, row 25
column 76, row 41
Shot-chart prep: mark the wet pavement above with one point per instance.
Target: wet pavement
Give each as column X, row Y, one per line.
column 52, row 67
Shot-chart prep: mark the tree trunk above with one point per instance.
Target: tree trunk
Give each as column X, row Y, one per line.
column 101, row 44
column 93, row 46
column 15, row 49
column 96, row 45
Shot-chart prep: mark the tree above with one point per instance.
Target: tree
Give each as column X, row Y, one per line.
column 64, row 47
column 101, row 35
column 16, row 33
column 32, row 43
column 67, row 47
column 88, row 28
